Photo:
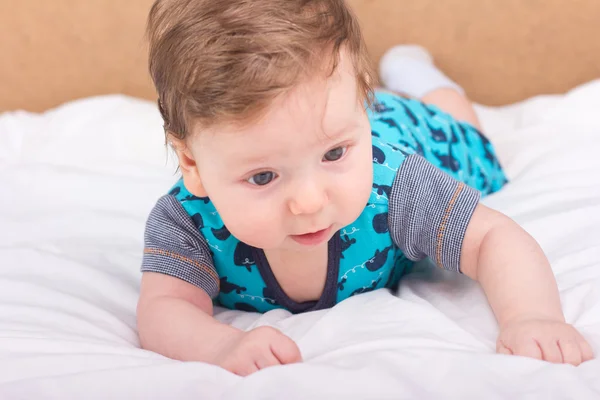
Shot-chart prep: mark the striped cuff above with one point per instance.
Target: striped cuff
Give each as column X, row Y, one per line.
column 429, row 212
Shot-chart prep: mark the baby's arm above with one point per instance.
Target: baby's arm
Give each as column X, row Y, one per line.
column 175, row 307
column 431, row 214
column 175, row 320
column 520, row 286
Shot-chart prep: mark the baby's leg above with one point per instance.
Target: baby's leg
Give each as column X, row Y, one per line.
column 410, row 70
column 469, row 158
column 454, row 103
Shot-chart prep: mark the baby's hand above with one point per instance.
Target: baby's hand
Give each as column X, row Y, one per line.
column 246, row 352
column 544, row 339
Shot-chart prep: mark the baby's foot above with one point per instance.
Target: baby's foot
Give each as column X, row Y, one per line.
column 410, row 69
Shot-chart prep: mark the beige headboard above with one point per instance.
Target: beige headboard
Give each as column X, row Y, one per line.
column 501, row 51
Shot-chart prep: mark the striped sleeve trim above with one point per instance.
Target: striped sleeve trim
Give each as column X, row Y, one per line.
column 174, row 246
column 429, row 212
column 179, row 257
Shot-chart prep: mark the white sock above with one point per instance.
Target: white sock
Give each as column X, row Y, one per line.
column 409, row 69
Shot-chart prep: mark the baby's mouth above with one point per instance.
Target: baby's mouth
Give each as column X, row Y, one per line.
column 312, row 238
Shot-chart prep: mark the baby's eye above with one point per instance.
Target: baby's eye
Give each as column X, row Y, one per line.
column 262, row 178
column 335, row 154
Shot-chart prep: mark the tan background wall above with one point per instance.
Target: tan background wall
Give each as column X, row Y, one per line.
column 501, row 51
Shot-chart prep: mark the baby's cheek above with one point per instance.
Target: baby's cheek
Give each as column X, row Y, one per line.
column 253, row 225
column 359, row 187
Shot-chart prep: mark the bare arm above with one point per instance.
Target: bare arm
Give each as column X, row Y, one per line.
column 520, row 285
column 175, row 319
column 510, row 266
column 175, row 312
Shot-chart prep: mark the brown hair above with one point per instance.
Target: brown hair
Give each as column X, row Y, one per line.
column 216, row 61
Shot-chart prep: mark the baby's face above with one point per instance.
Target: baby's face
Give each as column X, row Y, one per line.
column 303, row 171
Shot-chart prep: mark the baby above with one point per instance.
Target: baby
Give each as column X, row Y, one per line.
column 301, row 186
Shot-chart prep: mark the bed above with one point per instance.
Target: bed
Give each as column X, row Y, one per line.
column 78, row 180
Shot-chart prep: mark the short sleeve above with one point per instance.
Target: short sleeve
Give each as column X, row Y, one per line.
column 174, row 246
column 429, row 212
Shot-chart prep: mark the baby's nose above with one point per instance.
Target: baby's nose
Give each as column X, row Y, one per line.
column 308, row 199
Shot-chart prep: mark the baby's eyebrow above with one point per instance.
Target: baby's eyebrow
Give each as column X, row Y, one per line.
column 340, row 132
column 248, row 159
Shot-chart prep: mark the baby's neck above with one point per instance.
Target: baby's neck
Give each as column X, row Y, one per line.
column 301, row 274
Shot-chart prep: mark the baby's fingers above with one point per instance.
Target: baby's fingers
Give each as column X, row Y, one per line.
column 587, row 353
column 551, row 351
column 571, row 351
column 502, row 349
column 528, row 348
column 267, row 359
column 245, row 369
column 286, row 350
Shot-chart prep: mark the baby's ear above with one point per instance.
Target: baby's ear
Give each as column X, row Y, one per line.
column 188, row 166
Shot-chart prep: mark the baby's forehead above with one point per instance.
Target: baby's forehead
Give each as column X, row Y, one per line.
column 316, row 108
column 321, row 105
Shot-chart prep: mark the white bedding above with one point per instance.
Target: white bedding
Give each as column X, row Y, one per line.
column 77, row 183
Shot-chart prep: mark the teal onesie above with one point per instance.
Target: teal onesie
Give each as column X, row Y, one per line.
column 429, row 171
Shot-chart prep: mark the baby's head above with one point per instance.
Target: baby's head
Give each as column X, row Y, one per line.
column 264, row 102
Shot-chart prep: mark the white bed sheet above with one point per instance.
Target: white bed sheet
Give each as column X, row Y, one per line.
column 77, row 183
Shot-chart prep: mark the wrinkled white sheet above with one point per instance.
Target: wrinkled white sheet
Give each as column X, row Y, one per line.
column 77, row 183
